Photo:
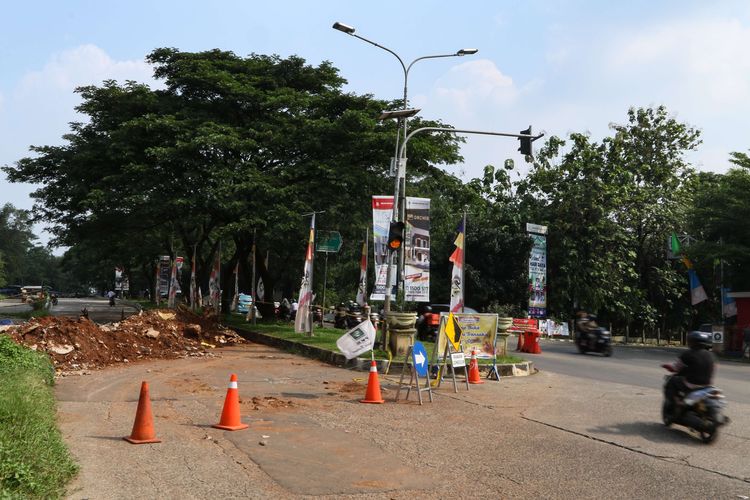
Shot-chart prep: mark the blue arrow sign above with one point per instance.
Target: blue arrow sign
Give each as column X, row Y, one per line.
column 419, row 358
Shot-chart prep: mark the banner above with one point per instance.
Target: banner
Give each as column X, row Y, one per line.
column 538, row 272
column 173, row 287
column 358, row 340
column 165, row 272
column 118, row 278
column 362, row 287
column 552, row 328
column 236, row 296
column 478, row 331
column 214, row 283
column 303, row 318
column 193, row 286
column 417, row 250
column 382, row 212
column 457, row 257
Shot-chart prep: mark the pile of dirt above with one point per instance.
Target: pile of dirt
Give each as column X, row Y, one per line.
column 80, row 344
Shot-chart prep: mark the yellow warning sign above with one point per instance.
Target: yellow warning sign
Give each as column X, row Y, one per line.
column 453, row 332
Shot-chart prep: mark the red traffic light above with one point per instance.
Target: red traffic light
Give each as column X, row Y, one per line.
column 396, row 235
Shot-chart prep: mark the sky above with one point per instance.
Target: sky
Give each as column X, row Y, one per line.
column 561, row 66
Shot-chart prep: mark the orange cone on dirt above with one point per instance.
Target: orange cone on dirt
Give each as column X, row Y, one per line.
column 143, row 427
column 373, row 386
column 474, row 377
column 230, row 415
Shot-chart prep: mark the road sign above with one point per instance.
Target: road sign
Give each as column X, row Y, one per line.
column 419, row 357
column 328, row 241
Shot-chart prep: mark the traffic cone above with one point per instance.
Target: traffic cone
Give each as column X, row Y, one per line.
column 373, row 386
column 143, row 427
column 230, row 415
column 536, row 348
column 474, row 377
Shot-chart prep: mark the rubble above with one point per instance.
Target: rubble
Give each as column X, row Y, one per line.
column 80, row 344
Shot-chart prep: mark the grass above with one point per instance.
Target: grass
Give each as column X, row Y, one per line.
column 34, row 461
column 326, row 338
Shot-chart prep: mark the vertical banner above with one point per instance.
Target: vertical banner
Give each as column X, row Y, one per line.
column 193, row 287
column 171, row 301
column 214, row 283
column 457, row 276
column 236, row 296
column 417, row 250
column 157, row 268
column 362, row 288
column 165, row 271
column 303, row 319
column 382, row 212
column 537, row 271
column 118, row 278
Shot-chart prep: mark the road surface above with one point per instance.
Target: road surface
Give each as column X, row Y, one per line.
column 561, row 433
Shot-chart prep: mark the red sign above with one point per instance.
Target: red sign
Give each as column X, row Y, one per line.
column 523, row 325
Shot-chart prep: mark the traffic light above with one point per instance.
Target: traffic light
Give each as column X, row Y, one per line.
column 525, row 147
column 396, row 235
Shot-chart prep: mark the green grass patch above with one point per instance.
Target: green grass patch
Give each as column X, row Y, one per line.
column 34, row 461
column 34, row 313
column 326, row 338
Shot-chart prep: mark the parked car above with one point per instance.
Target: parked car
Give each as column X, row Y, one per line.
column 244, row 303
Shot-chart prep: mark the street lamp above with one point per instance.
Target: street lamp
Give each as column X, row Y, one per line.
column 398, row 196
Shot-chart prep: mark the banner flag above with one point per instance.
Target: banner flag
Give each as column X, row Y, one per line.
column 728, row 304
column 697, row 293
column 358, row 340
column 382, row 213
column 453, row 331
column 173, row 287
column 261, row 290
column 214, row 283
column 193, row 285
column 302, row 320
column 417, row 250
column 457, row 257
column 537, row 271
column 156, row 283
column 236, row 296
column 362, row 288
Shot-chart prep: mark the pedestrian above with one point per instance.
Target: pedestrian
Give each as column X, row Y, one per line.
column 295, row 306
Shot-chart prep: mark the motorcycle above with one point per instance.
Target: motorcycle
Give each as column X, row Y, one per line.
column 348, row 315
column 601, row 341
column 699, row 410
column 112, row 301
column 53, row 299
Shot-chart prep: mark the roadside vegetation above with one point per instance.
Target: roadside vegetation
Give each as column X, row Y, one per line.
column 34, row 461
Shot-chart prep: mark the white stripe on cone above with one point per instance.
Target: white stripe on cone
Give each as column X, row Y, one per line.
column 233, row 385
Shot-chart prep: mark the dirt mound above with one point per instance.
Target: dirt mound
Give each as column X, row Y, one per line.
column 80, row 344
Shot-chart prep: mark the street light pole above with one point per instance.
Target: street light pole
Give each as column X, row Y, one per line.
column 400, row 184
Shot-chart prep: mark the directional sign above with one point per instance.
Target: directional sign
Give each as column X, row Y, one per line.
column 328, row 241
column 419, row 357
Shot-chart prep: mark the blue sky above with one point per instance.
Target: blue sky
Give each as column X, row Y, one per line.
column 562, row 66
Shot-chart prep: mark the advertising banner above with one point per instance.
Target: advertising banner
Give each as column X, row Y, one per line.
column 538, row 272
column 303, row 318
column 478, row 331
column 520, row 325
column 164, row 275
column 382, row 211
column 417, row 250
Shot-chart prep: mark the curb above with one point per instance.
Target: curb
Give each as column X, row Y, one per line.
column 362, row 364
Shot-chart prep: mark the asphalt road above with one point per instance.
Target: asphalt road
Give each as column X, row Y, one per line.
column 562, row 433
column 636, row 366
column 98, row 308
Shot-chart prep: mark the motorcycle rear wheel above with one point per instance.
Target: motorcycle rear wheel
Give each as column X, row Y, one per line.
column 666, row 415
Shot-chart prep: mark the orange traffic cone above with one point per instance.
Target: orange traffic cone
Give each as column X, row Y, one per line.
column 536, row 348
column 230, row 415
column 143, row 427
column 474, row 377
column 373, row 386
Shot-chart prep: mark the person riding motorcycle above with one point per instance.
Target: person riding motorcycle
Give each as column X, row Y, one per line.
column 586, row 325
column 692, row 370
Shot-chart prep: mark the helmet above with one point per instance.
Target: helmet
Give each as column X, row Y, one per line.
column 696, row 339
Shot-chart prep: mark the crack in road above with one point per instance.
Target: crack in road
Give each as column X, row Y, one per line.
column 665, row 458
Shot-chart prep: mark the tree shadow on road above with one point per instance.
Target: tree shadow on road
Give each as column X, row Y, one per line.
column 651, row 431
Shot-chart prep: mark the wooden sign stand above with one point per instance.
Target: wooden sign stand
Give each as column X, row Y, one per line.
column 414, row 379
column 456, row 359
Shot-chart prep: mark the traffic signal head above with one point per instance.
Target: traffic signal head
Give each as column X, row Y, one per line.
column 525, row 147
column 395, row 235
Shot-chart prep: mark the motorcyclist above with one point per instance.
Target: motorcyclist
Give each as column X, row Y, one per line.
column 586, row 325
column 692, row 370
